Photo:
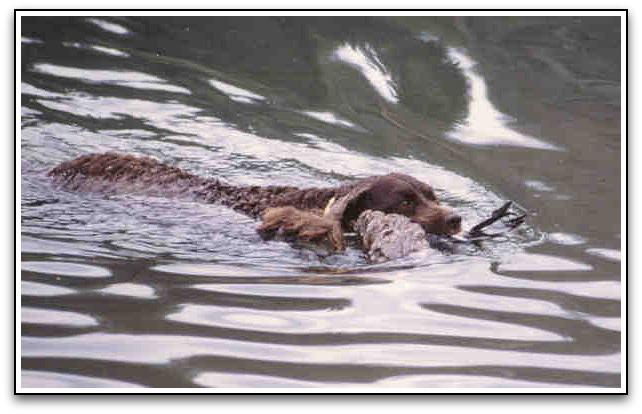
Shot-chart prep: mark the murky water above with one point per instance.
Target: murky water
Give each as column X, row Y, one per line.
column 127, row 290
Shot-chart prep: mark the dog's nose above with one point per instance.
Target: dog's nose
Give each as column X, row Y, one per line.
column 453, row 221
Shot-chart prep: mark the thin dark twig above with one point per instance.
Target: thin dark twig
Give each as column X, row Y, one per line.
column 495, row 216
column 476, row 234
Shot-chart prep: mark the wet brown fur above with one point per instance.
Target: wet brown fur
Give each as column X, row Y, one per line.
column 285, row 210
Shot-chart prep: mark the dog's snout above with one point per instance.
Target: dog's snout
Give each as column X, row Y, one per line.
column 453, row 223
column 453, row 220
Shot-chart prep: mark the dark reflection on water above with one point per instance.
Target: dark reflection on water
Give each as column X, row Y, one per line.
column 127, row 290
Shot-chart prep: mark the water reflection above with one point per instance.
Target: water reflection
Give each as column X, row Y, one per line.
column 608, row 254
column 101, row 49
column 121, row 78
column 135, row 349
column 42, row 289
column 44, row 379
column 235, row 93
column 109, row 26
column 133, row 290
column 330, row 118
column 65, row 269
column 565, row 239
column 369, row 64
column 541, row 263
column 29, row 40
column 55, row 317
column 485, row 125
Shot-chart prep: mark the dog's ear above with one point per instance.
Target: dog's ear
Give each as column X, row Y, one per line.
column 347, row 208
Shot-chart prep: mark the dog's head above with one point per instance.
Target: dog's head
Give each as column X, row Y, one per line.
column 399, row 194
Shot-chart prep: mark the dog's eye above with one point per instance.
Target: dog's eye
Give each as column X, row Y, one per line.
column 406, row 203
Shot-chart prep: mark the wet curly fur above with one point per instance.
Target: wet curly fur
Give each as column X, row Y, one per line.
column 310, row 214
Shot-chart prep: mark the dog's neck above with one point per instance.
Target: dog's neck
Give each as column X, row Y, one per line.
column 252, row 200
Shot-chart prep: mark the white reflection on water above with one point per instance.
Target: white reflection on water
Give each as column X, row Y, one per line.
column 459, row 381
column 41, row 289
column 133, row 290
column 522, row 262
column 234, row 380
column 27, row 89
column 608, row 254
column 565, row 239
column 65, row 269
column 130, row 79
column 368, row 63
column 238, row 318
column 485, row 125
column 43, row 379
column 109, row 26
column 235, row 93
column 80, row 106
column 329, row 118
column 55, row 317
column 159, row 349
column 374, row 308
column 476, row 273
column 211, row 269
column 29, row 40
column 538, row 185
column 100, row 49
column 60, row 248
column 614, row 324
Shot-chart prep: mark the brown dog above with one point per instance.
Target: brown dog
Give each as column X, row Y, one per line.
column 311, row 214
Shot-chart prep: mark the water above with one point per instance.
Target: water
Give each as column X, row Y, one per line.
column 136, row 291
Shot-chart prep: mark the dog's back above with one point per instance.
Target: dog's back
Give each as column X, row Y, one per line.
column 119, row 173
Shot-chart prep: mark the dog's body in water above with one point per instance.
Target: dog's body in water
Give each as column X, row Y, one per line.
column 316, row 215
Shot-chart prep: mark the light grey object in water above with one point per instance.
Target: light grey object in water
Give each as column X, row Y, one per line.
column 389, row 236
